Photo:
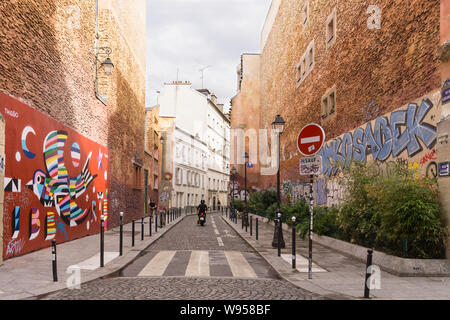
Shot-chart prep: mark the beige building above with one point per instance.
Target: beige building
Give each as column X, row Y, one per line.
column 196, row 154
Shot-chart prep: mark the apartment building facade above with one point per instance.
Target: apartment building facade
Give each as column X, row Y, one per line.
column 200, row 145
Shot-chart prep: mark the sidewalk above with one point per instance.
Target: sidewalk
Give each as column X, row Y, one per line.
column 345, row 276
column 31, row 274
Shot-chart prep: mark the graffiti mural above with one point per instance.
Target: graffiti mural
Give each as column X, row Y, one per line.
column 406, row 137
column 52, row 176
column 405, row 131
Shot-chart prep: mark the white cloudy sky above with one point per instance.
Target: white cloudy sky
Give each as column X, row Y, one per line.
column 192, row 34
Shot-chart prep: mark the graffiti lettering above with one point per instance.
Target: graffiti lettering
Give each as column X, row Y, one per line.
column 14, row 247
column 432, row 171
column 428, row 157
column 384, row 140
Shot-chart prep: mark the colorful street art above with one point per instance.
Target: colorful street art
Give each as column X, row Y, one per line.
column 386, row 139
column 52, row 178
column 406, row 136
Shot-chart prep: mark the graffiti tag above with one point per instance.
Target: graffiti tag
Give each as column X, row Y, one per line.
column 14, row 247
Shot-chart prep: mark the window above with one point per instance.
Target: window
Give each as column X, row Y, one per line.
column 306, row 63
column 305, row 14
column 137, row 177
column 329, row 103
column 330, row 33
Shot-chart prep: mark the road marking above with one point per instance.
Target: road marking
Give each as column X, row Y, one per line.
column 93, row 263
column 310, row 140
column 219, row 240
column 302, row 264
column 198, row 264
column 239, row 265
column 158, row 264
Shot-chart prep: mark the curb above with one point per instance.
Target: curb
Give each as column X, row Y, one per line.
column 108, row 270
column 292, row 276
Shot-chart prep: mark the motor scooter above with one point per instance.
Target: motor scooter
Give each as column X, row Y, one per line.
column 202, row 218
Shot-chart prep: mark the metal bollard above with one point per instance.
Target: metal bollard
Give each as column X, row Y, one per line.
column 246, row 222
column 294, row 256
column 121, row 235
column 102, row 241
column 150, row 225
column 369, row 263
column 257, row 228
column 54, row 267
column 132, row 234
column 142, row 229
column 279, row 234
column 251, row 226
column 160, row 219
column 156, row 223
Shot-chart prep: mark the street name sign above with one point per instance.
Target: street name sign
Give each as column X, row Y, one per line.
column 310, row 165
column 310, row 139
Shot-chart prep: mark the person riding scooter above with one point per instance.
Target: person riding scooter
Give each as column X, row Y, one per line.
column 202, row 209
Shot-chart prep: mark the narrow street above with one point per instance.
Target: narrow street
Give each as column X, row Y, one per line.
column 191, row 262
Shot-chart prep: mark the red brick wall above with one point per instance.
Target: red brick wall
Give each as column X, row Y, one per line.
column 47, row 61
column 390, row 66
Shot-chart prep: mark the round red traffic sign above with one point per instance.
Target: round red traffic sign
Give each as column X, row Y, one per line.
column 310, row 139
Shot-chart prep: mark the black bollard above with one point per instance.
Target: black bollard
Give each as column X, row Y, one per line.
column 121, row 235
column 142, row 229
column 132, row 234
column 156, row 223
column 257, row 228
column 369, row 263
column 251, row 226
column 102, row 242
column 150, row 225
column 54, row 267
column 161, row 219
column 279, row 234
column 293, row 244
column 246, row 222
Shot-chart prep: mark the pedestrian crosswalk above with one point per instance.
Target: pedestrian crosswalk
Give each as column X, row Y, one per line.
column 199, row 263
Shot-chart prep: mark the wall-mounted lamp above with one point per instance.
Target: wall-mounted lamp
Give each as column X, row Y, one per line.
column 107, row 65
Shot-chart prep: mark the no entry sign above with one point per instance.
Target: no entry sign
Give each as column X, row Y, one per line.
column 310, row 139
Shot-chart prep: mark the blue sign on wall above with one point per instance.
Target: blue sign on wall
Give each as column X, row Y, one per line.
column 444, row 169
column 446, row 92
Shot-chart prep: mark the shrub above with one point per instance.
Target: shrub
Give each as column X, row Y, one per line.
column 325, row 222
column 238, row 204
column 382, row 211
column 258, row 202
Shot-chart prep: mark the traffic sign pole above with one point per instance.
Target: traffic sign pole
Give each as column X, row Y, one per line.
column 311, row 213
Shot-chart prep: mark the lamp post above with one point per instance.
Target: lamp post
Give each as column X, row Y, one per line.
column 233, row 177
column 245, row 190
column 278, row 240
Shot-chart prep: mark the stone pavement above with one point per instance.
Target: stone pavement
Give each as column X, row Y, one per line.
column 31, row 274
column 345, row 275
column 174, row 275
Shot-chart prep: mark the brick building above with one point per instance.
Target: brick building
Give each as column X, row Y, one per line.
column 245, row 120
column 152, row 155
column 74, row 138
column 368, row 73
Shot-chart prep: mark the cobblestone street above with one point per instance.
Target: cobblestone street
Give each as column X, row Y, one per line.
column 189, row 262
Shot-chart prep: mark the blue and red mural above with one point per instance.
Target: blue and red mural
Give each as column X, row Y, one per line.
column 56, row 181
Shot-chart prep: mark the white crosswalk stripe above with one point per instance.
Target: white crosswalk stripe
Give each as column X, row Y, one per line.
column 239, row 265
column 158, row 264
column 199, row 263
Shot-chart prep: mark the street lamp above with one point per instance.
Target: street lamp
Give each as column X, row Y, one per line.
column 278, row 240
column 245, row 189
column 233, row 177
